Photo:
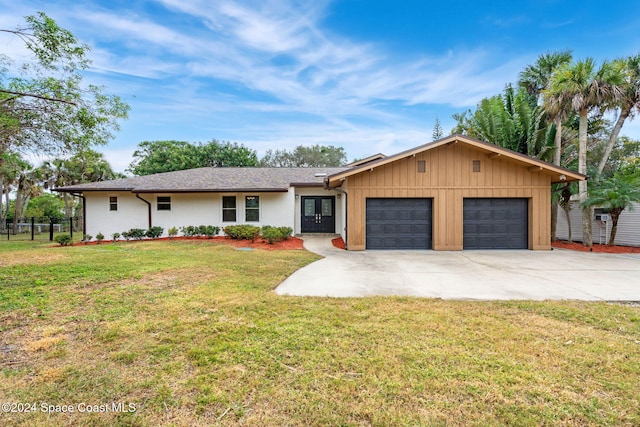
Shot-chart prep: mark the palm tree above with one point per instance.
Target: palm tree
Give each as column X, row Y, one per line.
column 629, row 103
column 615, row 194
column 586, row 88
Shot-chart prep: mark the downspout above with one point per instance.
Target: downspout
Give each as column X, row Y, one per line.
column 84, row 211
column 148, row 207
column 346, row 208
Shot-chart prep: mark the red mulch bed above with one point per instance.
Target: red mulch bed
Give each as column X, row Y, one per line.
column 338, row 243
column 292, row 243
column 561, row 244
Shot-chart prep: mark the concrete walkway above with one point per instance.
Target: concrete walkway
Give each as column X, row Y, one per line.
column 473, row 275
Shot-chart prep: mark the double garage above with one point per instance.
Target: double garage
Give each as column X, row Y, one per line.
column 406, row 223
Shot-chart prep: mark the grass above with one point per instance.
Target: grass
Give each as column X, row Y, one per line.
column 190, row 332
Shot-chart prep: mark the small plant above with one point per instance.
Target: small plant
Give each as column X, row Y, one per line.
column 115, row 236
column 63, row 239
column 87, row 238
column 99, row 237
column 154, row 232
column 126, row 235
column 172, row 232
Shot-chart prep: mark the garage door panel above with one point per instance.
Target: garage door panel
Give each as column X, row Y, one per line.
column 398, row 223
column 495, row 224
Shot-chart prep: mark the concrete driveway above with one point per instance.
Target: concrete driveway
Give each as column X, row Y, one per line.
column 472, row 275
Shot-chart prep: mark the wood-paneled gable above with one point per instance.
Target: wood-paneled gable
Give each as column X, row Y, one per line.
column 448, row 179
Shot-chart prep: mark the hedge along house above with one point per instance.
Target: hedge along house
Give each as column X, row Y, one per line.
column 292, row 197
column 452, row 194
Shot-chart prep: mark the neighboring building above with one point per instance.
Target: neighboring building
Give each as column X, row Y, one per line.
column 452, row 194
column 628, row 233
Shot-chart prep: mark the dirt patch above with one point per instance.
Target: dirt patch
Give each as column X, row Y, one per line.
column 338, row 242
column 20, row 257
column 292, row 243
column 561, row 244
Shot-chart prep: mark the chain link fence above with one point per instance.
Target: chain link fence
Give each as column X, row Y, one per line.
column 34, row 228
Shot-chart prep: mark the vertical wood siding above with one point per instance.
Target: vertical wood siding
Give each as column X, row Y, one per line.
column 449, row 179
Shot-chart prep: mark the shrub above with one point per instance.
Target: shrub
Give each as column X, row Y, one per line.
column 87, row 238
column 126, row 235
column 99, row 237
column 275, row 234
column 172, row 232
column 189, row 231
column 242, row 232
column 154, row 232
column 115, row 236
column 63, row 239
column 208, row 230
column 137, row 233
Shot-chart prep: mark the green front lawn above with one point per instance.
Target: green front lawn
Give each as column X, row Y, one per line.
column 191, row 333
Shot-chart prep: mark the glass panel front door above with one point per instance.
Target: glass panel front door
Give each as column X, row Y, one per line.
column 318, row 214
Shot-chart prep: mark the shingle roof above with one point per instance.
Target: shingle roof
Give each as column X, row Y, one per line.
column 212, row 179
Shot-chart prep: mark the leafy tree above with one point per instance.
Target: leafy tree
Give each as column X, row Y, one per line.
column 305, row 156
column 167, row 156
column 628, row 103
column 586, row 88
column 45, row 205
column 85, row 166
column 615, row 194
column 512, row 120
column 44, row 106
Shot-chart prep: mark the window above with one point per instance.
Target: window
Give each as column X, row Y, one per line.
column 229, row 208
column 476, row 165
column 113, row 203
column 422, row 166
column 252, row 209
column 164, row 203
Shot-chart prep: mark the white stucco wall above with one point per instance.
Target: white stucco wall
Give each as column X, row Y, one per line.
column 131, row 213
column 186, row 209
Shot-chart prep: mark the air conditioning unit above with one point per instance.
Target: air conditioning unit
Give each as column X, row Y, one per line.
column 603, row 217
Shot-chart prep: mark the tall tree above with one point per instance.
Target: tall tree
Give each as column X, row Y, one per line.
column 587, row 88
column 628, row 104
column 167, row 156
column 437, row 131
column 305, row 156
column 44, row 105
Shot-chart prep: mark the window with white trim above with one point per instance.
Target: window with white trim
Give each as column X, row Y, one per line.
column 228, row 208
column 252, row 208
column 113, row 203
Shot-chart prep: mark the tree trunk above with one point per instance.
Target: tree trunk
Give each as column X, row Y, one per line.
column 587, row 238
column 624, row 113
column 615, row 214
column 567, row 214
column 554, row 218
column 557, row 156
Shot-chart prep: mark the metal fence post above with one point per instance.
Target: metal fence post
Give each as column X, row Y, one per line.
column 71, row 226
column 51, row 229
column 33, row 227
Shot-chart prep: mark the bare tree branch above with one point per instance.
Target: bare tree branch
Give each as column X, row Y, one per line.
column 33, row 95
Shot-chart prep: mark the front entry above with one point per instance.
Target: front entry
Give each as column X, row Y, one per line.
column 318, row 214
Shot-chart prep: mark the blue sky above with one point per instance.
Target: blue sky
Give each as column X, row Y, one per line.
column 371, row 76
